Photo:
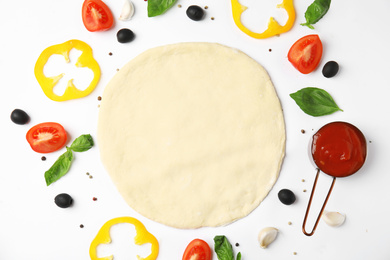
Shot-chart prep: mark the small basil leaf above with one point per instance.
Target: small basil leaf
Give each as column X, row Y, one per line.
column 315, row 101
column 223, row 248
column 239, row 256
column 82, row 143
column 315, row 12
column 157, row 7
column 59, row 168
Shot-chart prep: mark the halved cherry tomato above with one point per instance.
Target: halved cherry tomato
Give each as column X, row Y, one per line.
column 306, row 53
column 96, row 16
column 46, row 137
column 197, row 249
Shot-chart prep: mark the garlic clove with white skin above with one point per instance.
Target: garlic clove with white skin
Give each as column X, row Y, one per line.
column 267, row 236
column 127, row 11
column 333, row 219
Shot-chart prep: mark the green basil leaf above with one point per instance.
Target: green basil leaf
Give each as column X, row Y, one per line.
column 315, row 101
column 315, row 12
column 239, row 256
column 157, row 7
column 60, row 167
column 223, row 248
column 82, row 143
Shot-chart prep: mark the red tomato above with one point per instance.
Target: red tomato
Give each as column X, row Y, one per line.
column 96, row 16
column 197, row 249
column 46, row 137
column 306, row 53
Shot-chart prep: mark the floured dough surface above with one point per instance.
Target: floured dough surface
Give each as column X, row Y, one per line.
column 192, row 134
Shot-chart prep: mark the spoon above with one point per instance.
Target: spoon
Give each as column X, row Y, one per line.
column 338, row 149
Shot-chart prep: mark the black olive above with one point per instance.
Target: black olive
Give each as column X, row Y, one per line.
column 125, row 35
column 63, row 200
column 286, row 196
column 330, row 69
column 19, row 117
column 195, row 13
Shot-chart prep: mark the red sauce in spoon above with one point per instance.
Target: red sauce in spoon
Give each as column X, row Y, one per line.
column 339, row 149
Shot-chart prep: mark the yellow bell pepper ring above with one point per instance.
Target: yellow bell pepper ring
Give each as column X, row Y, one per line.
column 142, row 237
column 274, row 28
column 85, row 60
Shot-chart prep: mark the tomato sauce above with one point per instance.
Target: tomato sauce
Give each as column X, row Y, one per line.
column 339, row 149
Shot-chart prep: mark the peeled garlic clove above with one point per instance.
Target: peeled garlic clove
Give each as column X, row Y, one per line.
column 333, row 219
column 127, row 11
column 267, row 236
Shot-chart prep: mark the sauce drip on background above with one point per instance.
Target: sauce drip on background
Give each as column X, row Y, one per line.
column 339, row 149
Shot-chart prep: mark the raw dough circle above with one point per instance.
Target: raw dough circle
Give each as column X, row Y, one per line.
column 192, row 134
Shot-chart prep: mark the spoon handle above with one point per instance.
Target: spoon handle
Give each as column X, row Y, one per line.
column 309, row 204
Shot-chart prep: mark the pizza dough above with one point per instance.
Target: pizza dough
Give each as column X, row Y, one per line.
column 192, row 134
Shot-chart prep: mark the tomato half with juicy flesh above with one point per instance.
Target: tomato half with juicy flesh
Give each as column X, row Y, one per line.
column 46, row 137
column 306, row 53
column 197, row 249
column 96, row 16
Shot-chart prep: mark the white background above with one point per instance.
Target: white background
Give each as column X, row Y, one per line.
column 354, row 33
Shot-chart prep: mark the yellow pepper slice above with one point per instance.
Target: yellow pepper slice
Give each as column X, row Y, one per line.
column 142, row 237
column 274, row 28
column 85, row 60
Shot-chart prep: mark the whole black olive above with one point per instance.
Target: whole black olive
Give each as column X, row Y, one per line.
column 286, row 196
column 63, row 200
column 195, row 13
column 330, row 69
column 125, row 35
column 19, row 117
